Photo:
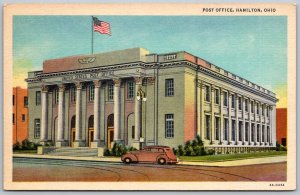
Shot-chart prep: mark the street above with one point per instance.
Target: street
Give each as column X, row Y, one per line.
column 30, row 169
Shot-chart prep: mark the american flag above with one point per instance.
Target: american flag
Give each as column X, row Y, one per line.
column 101, row 26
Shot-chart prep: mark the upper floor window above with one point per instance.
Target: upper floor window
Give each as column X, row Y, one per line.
column 207, row 93
column 13, row 118
column 110, row 93
column 225, row 98
column 25, row 101
column 91, row 92
column 169, row 88
column 37, row 97
column 252, row 107
column 257, row 108
column 268, row 110
column 240, row 103
column 232, row 101
column 217, row 96
column 263, row 109
column 23, row 117
column 246, row 105
column 56, row 95
column 169, row 125
column 13, row 99
column 73, row 94
column 130, row 90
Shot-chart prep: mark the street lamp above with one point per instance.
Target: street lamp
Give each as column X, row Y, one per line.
column 141, row 97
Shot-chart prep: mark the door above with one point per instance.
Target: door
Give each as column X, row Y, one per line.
column 72, row 137
column 110, row 137
column 91, row 136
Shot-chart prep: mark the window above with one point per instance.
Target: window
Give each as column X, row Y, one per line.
column 37, row 128
column 257, row 108
column 257, row 133
column 207, row 126
column 110, row 91
column 246, row 131
column 13, row 100
column 130, row 90
column 13, row 118
column 268, row 111
column 23, row 117
column 132, row 132
column 25, row 101
column 225, row 129
column 169, row 88
column 268, row 134
column 232, row 101
column 225, row 98
column 233, row 130
column 56, row 95
column 91, row 93
column 38, row 98
column 207, row 93
column 73, row 94
column 169, row 125
column 263, row 110
column 252, row 107
column 240, row 103
column 217, row 128
column 246, row 105
column 217, row 96
column 252, row 132
column 240, row 131
column 283, row 141
column 263, row 133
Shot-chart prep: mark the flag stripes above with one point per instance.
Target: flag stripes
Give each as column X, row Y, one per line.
column 101, row 26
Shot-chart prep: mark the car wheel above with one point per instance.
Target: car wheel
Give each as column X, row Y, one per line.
column 127, row 160
column 161, row 161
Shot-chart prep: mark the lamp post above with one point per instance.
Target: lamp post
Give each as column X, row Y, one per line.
column 141, row 97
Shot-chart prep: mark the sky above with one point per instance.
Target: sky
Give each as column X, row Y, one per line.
column 253, row 47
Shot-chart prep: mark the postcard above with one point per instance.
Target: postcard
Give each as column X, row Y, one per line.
column 150, row 96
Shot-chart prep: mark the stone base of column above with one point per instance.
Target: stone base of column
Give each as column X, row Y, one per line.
column 136, row 145
column 61, row 143
column 78, row 144
column 97, row 144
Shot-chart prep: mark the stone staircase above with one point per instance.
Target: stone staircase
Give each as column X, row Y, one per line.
column 78, row 152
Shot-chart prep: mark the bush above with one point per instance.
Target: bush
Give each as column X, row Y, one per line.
column 118, row 150
column 180, row 150
column 25, row 145
column 191, row 148
column 210, row 151
column 280, row 147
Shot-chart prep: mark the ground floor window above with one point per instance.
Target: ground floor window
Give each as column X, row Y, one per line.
column 233, row 130
column 225, row 129
column 240, row 130
column 207, row 126
column 246, row 131
column 257, row 133
column 283, row 141
column 263, row 133
column 169, row 125
column 132, row 132
column 37, row 128
column 217, row 127
column 268, row 134
column 252, row 132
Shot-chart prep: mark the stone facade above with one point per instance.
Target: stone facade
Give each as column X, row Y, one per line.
column 137, row 98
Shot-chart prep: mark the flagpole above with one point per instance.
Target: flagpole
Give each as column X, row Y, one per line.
column 92, row 35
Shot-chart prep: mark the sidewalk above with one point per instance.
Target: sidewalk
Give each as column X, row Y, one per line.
column 265, row 160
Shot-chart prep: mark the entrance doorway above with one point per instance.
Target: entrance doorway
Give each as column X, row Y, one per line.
column 91, row 130
column 73, row 131
column 110, row 130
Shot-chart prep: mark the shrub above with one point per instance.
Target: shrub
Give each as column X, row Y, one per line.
column 106, row 152
column 191, row 148
column 25, row 145
column 180, row 150
column 118, row 150
column 280, row 147
column 210, row 151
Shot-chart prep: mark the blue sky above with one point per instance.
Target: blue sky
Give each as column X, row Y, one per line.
column 254, row 47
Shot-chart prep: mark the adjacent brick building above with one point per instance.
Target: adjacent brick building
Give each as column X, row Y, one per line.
column 281, row 126
column 20, row 114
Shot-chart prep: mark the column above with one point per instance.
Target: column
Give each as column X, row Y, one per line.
column 44, row 121
column 255, row 123
column 265, row 121
column 261, row 124
column 250, row 123
column 273, row 125
column 202, row 112
column 78, row 142
column 244, row 123
column 236, row 119
column 137, row 111
column 229, row 117
column 96, row 141
column 117, row 133
column 221, row 117
column 212, row 125
column 60, row 119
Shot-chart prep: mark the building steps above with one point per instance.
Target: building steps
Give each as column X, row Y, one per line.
column 77, row 152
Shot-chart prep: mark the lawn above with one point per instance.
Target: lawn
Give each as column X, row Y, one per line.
column 229, row 157
column 25, row 151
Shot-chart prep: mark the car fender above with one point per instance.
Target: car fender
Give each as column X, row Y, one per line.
column 162, row 156
column 130, row 155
